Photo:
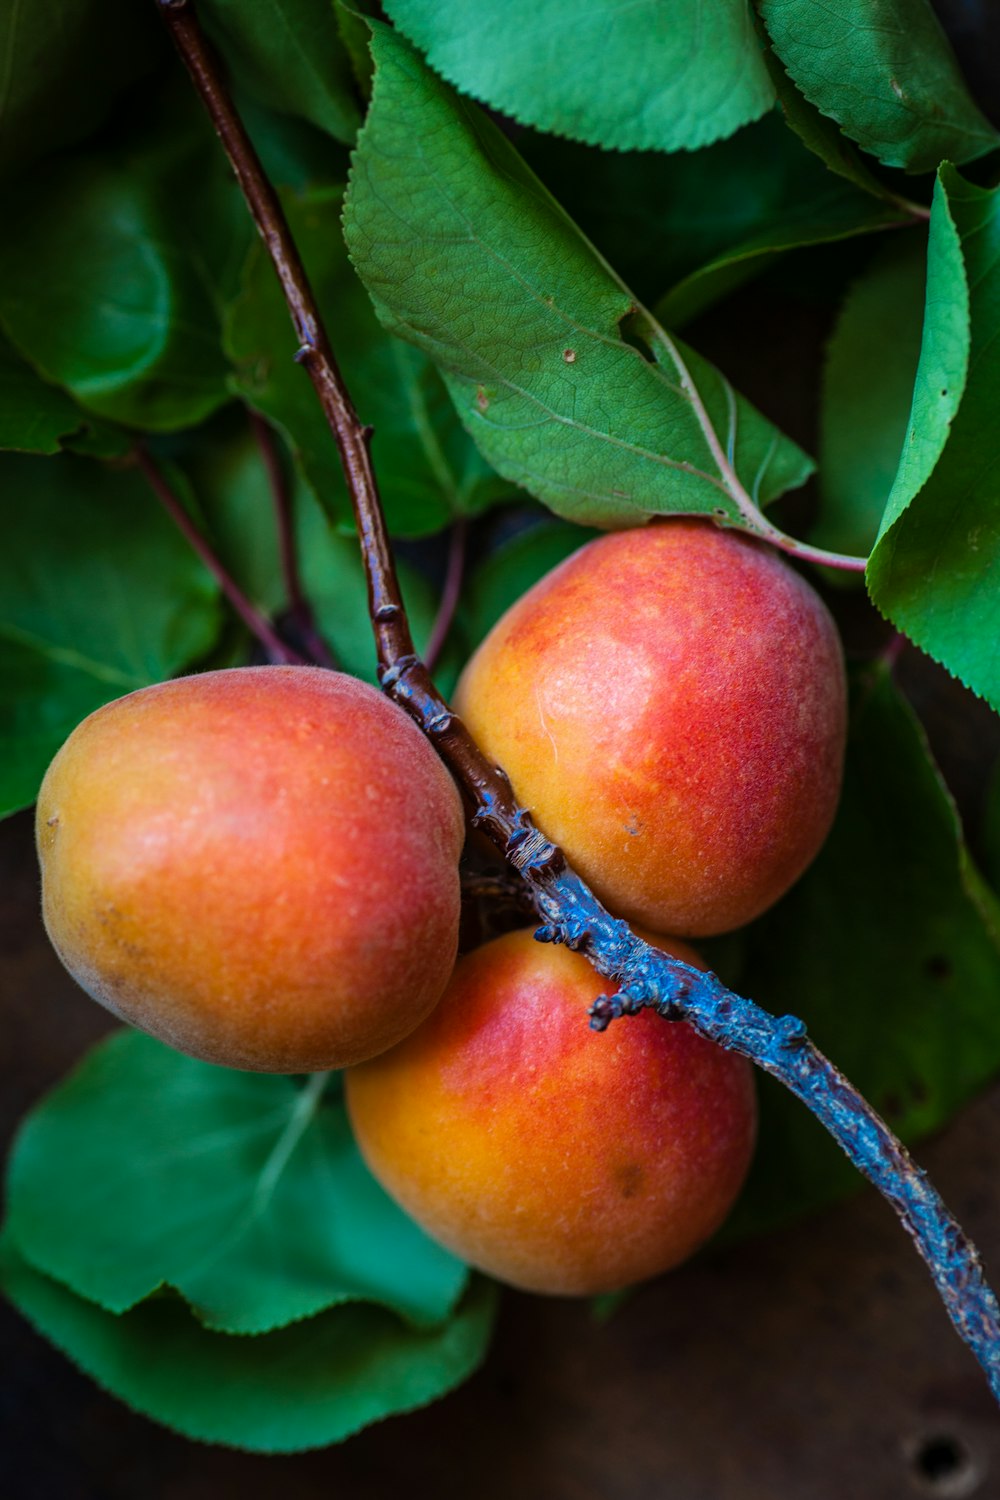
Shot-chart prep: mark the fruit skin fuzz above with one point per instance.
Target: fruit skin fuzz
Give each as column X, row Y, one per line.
column 258, row 866
column 554, row 1158
column 670, row 706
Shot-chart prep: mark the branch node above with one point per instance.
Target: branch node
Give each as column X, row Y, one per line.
column 305, row 351
column 389, row 676
column 528, row 849
column 791, row 1033
column 549, row 932
column 602, row 1013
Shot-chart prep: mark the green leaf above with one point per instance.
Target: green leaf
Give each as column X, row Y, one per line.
column 112, row 269
column 932, row 571
column 513, row 567
column 566, row 390
column 98, row 595
column 822, row 136
column 843, row 215
column 884, row 71
column 294, row 154
column 868, row 383
column 301, row 1387
column 226, row 487
column 352, row 23
column 288, row 54
column 34, row 417
column 241, row 1191
column 428, row 469
column 701, row 222
column 883, row 949
column 630, row 74
column 61, row 64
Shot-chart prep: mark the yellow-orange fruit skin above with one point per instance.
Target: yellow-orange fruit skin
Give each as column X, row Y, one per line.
column 554, row 1158
column 259, row 866
column 670, row 705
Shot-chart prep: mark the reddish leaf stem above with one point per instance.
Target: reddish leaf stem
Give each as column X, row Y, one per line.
column 451, row 592
column 258, row 624
column 298, row 604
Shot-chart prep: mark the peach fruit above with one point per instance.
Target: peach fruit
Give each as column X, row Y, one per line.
column 554, row 1158
column 259, row 866
column 670, row 705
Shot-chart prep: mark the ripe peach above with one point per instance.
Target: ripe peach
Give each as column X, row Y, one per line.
column 554, row 1158
column 259, row 866
column 670, row 705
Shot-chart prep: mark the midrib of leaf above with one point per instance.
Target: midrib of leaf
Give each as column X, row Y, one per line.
column 684, row 391
column 66, row 656
column 299, row 1119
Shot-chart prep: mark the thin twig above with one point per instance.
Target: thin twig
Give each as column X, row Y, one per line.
column 299, row 608
column 256, row 623
column 451, row 592
column 571, row 913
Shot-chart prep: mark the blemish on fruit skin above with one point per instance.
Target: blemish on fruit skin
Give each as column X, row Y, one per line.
column 630, row 1177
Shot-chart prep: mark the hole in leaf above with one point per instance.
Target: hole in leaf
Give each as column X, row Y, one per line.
column 629, row 331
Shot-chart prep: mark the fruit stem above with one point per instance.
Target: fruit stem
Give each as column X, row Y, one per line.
column 571, row 913
column 257, row 623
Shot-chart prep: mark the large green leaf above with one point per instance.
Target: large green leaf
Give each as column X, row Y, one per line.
column 633, row 74
column 868, row 381
column 241, row 1191
column 300, row 1387
column 883, row 949
column 289, row 55
column 61, row 63
column 592, row 408
column 428, row 469
column 98, row 595
column 883, row 69
column 112, row 270
column 933, row 571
